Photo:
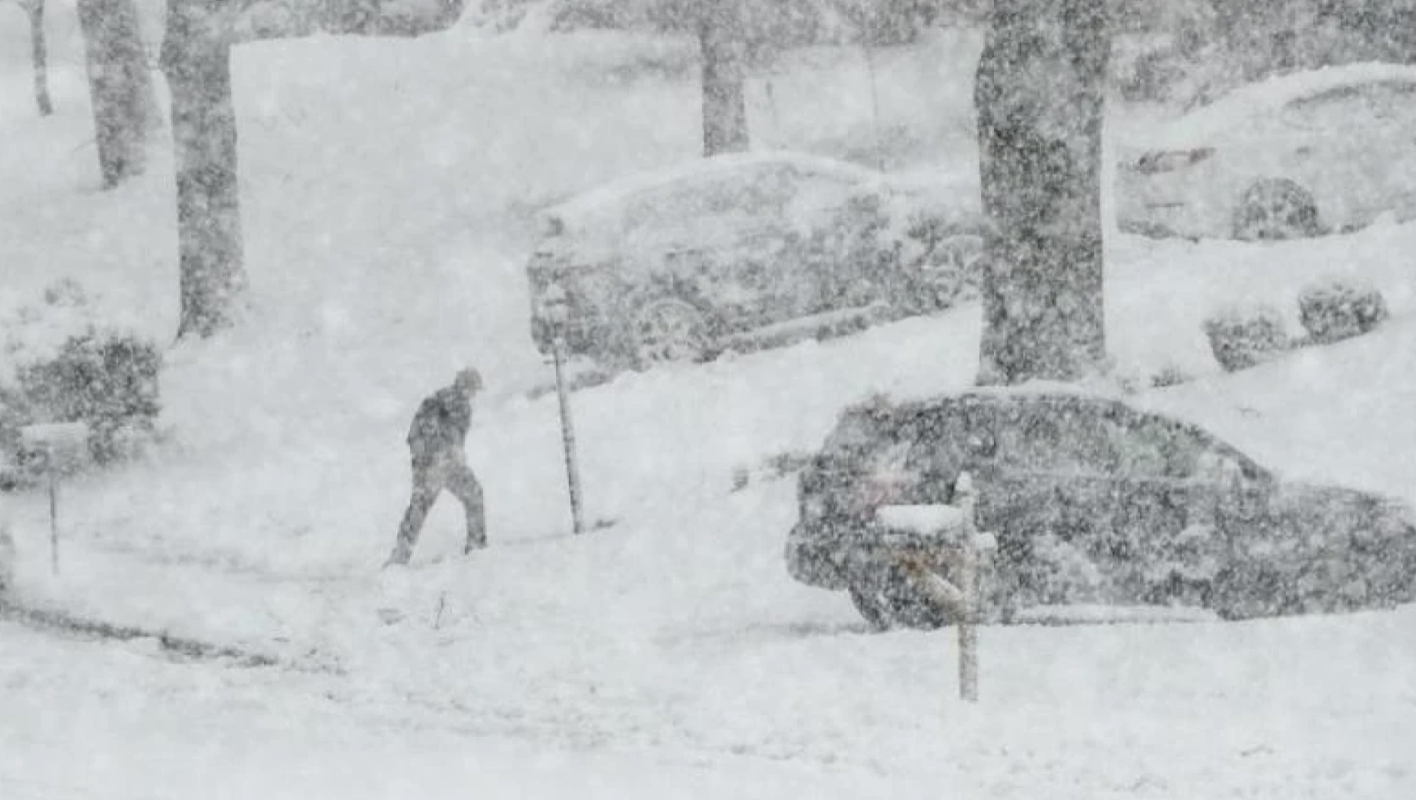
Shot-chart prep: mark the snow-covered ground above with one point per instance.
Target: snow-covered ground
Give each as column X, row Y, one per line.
column 83, row 720
column 386, row 188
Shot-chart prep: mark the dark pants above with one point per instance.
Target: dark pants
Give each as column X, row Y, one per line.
column 431, row 474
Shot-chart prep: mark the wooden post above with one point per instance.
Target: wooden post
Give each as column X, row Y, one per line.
column 53, row 522
column 572, row 467
column 958, row 598
column 968, row 587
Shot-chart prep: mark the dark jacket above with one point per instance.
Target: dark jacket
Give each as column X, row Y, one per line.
column 441, row 422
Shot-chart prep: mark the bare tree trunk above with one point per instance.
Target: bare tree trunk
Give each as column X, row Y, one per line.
column 120, row 86
column 1039, row 93
column 39, row 51
column 724, row 101
column 210, row 248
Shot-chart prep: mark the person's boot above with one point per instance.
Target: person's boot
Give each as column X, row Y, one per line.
column 398, row 558
column 476, row 540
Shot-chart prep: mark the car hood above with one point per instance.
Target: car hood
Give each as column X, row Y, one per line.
column 1325, row 511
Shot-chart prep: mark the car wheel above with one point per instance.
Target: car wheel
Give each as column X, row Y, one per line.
column 889, row 600
column 666, row 330
column 941, row 277
column 1276, row 208
column 872, row 607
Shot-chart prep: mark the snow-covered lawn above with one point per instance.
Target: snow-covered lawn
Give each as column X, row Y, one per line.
column 386, row 185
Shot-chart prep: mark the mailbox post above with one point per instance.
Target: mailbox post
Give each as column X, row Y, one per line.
column 557, row 313
column 950, row 537
column 55, row 449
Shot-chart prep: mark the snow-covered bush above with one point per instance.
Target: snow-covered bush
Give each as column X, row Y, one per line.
column 1339, row 309
column 779, row 24
column 1169, row 375
column 499, row 16
column 1244, row 337
column 64, row 364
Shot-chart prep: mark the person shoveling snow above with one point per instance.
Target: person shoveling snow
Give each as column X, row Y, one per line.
column 436, row 440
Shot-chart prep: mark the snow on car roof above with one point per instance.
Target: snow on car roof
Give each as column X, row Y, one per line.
column 611, row 194
column 1269, row 95
column 1031, row 389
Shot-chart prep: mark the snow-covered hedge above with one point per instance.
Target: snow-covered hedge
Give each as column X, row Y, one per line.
column 63, row 363
column 1169, row 375
column 1339, row 309
column 1244, row 337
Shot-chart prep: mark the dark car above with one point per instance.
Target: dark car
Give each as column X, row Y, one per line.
column 676, row 264
column 1092, row 501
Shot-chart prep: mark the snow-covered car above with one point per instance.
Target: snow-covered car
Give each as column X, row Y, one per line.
column 1301, row 154
column 674, row 264
column 1093, row 501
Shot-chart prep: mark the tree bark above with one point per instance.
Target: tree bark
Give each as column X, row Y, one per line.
column 119, row 85
column 210, row 247
column 39, row 55
column 724, row 100
column 1039, row 94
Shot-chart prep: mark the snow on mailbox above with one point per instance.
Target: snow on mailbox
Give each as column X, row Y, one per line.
column 920, row 538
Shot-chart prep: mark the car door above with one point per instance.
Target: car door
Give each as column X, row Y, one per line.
column 1167, row 544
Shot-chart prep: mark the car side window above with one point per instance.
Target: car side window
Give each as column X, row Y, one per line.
column 683, row 204
column 1061, row 439
column 1151, row 447
column 769, row 191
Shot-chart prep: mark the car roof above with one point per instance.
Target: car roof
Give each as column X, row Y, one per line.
column 1033, row 394
column 1268, row 96
column 1044, row 393
column 609, row 195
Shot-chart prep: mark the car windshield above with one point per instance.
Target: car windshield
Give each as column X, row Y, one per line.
column 868, row 431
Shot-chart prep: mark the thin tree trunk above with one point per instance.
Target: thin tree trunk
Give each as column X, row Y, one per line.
column 210, row 248
column 39, row 50
column 724, row 100
column 119, row 85
column 1040, row 95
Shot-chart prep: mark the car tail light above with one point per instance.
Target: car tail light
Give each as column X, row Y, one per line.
column 881, row 488
column 1171, row 160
